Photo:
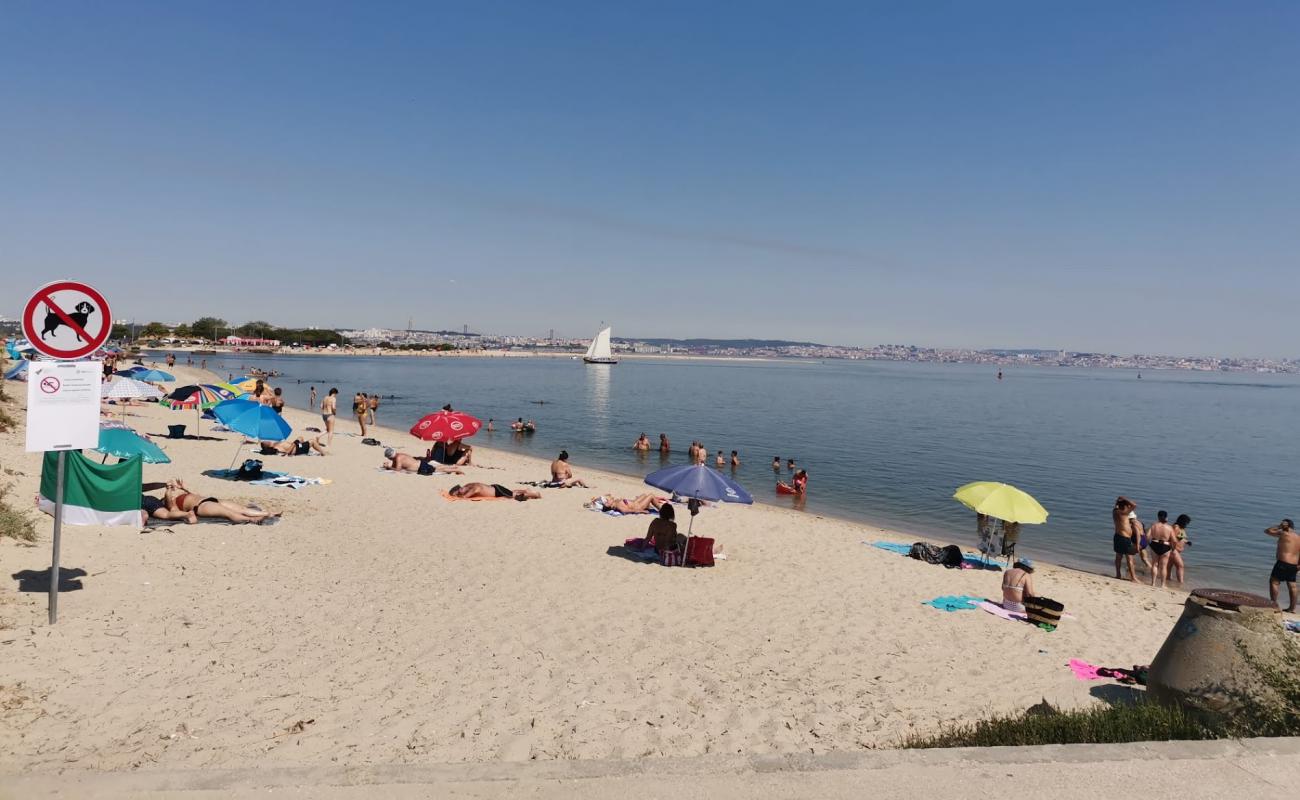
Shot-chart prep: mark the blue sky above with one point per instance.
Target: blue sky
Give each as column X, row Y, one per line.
column 1099, row 176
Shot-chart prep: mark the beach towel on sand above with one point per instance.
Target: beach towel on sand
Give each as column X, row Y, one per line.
column 268, row 478
column 955, row 602
column 180, row 523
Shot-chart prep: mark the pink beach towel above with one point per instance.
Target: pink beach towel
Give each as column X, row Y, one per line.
column 998, row 611
column 1084, row 671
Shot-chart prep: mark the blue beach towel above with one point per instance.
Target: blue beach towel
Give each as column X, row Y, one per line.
column 893, row 547
column 955, row 602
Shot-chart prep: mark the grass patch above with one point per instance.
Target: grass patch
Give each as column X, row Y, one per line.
column 14, row 523
column 1142, row 722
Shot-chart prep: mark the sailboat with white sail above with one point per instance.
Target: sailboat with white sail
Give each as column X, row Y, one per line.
column 599, row 351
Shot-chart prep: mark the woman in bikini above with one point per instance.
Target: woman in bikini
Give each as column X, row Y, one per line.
column 360, row 408
column 1017, row 584
column 638, row 505
column 1176, row 565
column 329, row 410
column 1161, row 541
column 180, row 501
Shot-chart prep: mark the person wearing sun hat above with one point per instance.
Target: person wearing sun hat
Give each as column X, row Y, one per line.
column 1017, row 584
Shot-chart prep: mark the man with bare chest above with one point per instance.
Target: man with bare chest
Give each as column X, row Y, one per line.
column 1288, row 561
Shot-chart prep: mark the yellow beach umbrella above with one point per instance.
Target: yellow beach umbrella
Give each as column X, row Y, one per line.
column 1001, row 501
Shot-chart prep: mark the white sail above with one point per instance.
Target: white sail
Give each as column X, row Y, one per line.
column 599, row 350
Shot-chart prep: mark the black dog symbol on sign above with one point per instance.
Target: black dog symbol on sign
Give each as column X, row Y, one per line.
column 53, row 321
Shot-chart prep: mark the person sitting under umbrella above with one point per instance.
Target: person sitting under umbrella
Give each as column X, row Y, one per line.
column 297, row 446
column 662, row 532
column 401, row 462
column 472, row 490
column 180, row 504
column 454, row 453
column 640, row 504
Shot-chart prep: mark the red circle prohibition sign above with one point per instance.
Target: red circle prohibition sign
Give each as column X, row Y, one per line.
column 45, row 296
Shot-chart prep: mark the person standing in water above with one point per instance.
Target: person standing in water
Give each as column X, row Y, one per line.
column 663, row 444
column 1181, row 542
column 374, row 407
column 642, row 443
column 1125, row 540
column 360, row 407
column 735, row 459
column 719, row 460
column 1287, row 564
column 776, row 463
column 1161, row 540
column 311, row 403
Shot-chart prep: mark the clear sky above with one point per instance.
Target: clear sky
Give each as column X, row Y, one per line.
column 1089, row 175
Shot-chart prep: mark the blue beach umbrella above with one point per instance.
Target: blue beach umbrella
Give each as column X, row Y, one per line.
column 125, row 443
column 18, row 372
column 146, row 374
column 698, row 482
column 254, row 420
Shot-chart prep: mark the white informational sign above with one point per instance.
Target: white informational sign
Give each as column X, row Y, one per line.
column 63, row 405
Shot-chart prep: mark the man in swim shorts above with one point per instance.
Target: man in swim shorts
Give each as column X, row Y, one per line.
column 1288, row 561
column 1124, row 542
column 401, row 462
column 470, row 490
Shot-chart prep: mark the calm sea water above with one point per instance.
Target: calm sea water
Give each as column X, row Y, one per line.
column 889, row 443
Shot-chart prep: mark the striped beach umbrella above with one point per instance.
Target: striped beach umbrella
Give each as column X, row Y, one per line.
column 202, row 395
column 121, row 388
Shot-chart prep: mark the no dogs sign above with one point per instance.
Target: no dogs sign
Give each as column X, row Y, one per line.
column 67, row 320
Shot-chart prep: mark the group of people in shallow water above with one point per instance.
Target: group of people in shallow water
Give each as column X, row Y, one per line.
column 1165, row 542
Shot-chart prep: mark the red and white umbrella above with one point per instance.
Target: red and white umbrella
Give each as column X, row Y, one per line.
column 444, row 426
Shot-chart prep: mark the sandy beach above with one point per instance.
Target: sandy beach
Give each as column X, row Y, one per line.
column 379, row 623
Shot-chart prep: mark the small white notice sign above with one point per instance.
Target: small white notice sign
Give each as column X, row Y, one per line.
column 63, row 405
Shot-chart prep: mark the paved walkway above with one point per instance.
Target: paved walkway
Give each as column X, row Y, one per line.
column 1253, row 768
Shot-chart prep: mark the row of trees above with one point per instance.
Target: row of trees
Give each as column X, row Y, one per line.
column 212, row 328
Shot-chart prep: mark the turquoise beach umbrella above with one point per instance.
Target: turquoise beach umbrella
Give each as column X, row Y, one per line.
column 254, row 420
column 125, row 443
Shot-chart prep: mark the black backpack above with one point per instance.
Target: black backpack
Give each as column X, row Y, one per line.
column 250, row 470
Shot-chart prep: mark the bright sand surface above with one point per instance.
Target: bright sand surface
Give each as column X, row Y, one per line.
column 399, row 627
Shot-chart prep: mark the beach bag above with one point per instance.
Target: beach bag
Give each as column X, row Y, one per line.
column 699, row 552
column 1043, row 611
column 670, row 558
column 175, row 431
column 924, row 551
column 950, row 556
column 250, row 470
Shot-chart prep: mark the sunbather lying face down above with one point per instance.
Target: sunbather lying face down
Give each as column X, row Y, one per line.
column 401, row 462
column 297, row 446
column 637, row 505
column 182, row 505
column 493, row 490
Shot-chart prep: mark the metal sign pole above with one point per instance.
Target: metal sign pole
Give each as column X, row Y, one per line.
column 58, row 531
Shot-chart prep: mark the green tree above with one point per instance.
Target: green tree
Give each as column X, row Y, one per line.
column 183, row 331
column 209, row 327
column 155, row 330
column 257, row 329
column 120, row 333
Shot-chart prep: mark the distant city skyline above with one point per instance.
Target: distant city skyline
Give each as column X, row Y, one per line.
column 1109, row 177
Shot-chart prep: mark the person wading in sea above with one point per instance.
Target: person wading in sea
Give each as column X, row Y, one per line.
column 1125, row 541
column 1288, row 561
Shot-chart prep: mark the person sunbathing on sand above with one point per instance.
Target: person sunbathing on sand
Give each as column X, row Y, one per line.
column 181, row 504
column 470, row 490
column 637, row 505
column 295, row 447
column 401, row 462
column 562, row 473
